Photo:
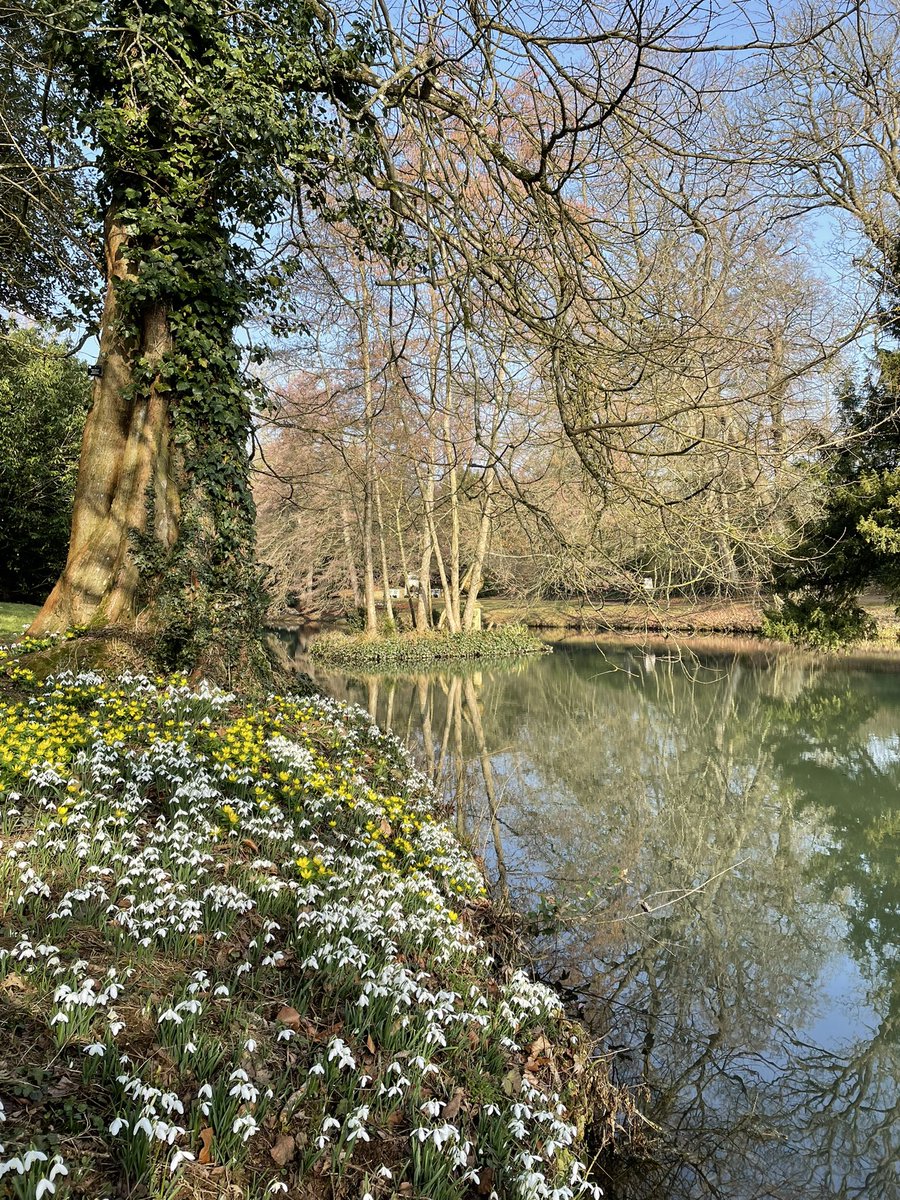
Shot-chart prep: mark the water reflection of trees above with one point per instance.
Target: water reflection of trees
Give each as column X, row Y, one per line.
column 611, row 787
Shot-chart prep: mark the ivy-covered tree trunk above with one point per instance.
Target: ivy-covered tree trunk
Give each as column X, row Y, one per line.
column 204, row 122
column 163, row 520
column 128, row 486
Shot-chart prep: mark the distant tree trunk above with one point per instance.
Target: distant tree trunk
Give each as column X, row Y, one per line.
column 454, row 619
column 369, row 466
column 351, row 558
column 368, row 555
column 449, row 615
column 404, row 564
column 476, row 569
column 424, row 610
column 385, row 574
column 485, row 528
column 128, row 475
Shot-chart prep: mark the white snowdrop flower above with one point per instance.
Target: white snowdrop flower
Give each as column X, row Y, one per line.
column 170, row 1015
column 341, row 1051
column 431, row 1108
column 277, row 1185
column 45, row 1187
column 245, row 1125
column 250, row 1045
column 317, row 1069
column 284, row 1035
column 32, row 1156
column 96, row 1049
column 57, row 1167
column 12, row 1164
column 178, row 1158
column 117, row 1124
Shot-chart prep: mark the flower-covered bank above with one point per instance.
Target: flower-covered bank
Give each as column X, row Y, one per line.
column 239, row 958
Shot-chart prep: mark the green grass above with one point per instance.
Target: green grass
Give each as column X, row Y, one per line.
column 14, row 616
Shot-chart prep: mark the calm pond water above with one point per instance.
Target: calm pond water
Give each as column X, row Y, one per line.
column 753, row 807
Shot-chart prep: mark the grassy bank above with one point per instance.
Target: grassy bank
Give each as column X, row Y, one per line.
column 638, row 616
column 242, row 957
column 15, row 617
column 421, row 649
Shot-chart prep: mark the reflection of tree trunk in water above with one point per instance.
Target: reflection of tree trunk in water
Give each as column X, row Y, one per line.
column 459, row 765
column 785, row 855
column 424, row 693
column 448, row 723
column 389, row 715
column 487, row 772
column 410, row 715
column 372, row 696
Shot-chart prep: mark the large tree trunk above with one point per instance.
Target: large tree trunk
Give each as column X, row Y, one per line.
column 128, row 471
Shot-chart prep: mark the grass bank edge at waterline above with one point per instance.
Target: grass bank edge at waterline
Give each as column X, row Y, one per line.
column 244, row 950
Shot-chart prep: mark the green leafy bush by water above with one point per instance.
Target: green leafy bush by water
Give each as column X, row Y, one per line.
column 419, row 649
column 819, row 624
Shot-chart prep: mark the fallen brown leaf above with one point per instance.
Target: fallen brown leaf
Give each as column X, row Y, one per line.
column 538, row 1047
column 453, row 1105
column 290, row 1017
column 512, row 1082
column 284, row 1150
column 206, row 1138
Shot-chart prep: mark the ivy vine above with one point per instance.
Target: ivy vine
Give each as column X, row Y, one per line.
column 206, row 122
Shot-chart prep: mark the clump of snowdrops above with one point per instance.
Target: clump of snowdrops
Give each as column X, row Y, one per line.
column 239, row 951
